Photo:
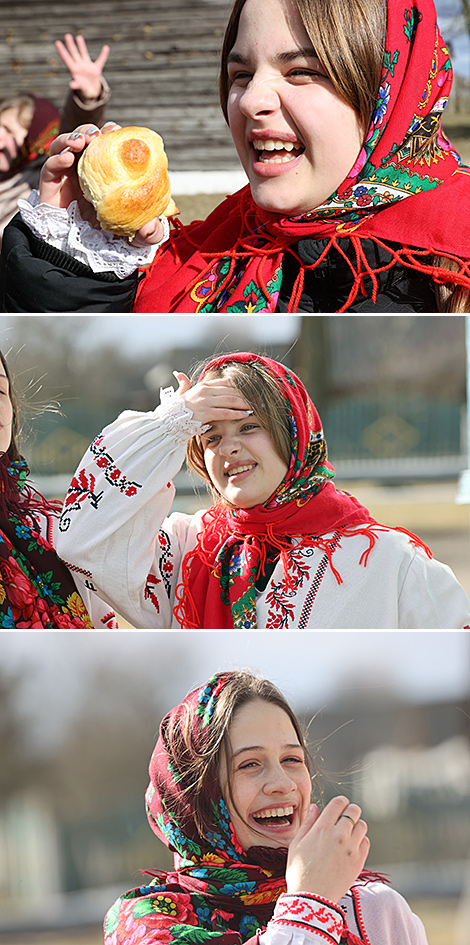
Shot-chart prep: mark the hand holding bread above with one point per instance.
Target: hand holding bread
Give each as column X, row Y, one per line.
column 124, row 174
column 59, row 184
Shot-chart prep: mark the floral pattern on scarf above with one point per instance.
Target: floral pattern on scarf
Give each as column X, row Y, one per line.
column 217, row 890
column 36, row 589
column 218, row 587
column 238, row 251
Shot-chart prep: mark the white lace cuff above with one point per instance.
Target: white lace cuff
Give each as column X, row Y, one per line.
column 178, row 416
column 309, row 913
column 65, row 229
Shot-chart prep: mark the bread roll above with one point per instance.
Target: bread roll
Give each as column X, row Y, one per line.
column 124, row 175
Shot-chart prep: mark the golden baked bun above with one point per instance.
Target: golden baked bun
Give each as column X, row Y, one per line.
column 124, row 175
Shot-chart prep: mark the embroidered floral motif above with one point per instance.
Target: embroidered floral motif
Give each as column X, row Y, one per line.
column 150, row 585
column 83, row 486
column 165, row 562
column 315, row 913
column 282, row 596
column 112, row 473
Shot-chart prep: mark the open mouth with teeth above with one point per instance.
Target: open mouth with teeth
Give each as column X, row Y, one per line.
column 274, row 817
column 277, row 152
column 238, row 470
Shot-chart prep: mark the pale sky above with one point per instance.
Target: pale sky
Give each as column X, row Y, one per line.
column 136, row 334
column 312, row 668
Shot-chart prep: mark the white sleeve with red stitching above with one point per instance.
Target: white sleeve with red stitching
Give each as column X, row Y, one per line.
column 101, row 615
column 300, row 918
column 379, row 915
column 113, row 530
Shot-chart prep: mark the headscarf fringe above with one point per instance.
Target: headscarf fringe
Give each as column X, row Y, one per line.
column 219, row 576
column 186, row 611
column 249, row 246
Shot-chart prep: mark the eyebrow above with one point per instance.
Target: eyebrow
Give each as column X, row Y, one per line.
column 240, row 751
column 216, row 423
column 306, row 52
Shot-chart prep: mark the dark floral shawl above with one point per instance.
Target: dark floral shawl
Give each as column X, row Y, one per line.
column 37, row 590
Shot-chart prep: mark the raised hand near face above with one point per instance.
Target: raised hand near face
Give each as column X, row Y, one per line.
column 329, row 850
column 212, row 400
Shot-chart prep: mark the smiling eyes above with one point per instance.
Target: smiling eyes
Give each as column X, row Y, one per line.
column 211, row 438
column 241, row 75
column 292, row 759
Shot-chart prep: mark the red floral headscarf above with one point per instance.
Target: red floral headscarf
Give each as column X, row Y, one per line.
column 408, row 187
column 218, row 891
column 219, row 576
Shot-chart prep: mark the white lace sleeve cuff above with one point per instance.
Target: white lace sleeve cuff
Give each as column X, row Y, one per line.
column 308, row 914
column 65, row 229
column 177, row 416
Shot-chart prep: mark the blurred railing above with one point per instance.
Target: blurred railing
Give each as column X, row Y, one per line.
column 388, row 438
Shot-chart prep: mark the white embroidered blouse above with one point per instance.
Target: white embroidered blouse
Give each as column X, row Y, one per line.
column 373, row 912
column 100, row 613
column 116, row 531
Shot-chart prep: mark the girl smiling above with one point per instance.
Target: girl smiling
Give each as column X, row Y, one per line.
column 356, row 199
column 255, row 861
column 281, row 548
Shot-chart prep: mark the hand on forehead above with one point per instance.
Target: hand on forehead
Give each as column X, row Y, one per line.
column 216, row 398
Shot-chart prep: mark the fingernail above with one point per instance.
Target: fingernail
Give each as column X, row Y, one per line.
column 175, row 374
column 91, row 129
column 76, row 134
column 64, row 150
column 248, row 411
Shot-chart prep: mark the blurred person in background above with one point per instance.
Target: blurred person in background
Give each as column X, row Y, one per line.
column 255, row 860
column 37, row 590
column 29, row 124
column 281, row 548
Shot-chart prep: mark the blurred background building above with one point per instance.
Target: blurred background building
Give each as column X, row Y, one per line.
column 391, row 390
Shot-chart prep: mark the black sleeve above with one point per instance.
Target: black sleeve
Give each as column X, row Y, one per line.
column 35, row 277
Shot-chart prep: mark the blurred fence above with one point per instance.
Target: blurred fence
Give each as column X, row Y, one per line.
column 389, row 436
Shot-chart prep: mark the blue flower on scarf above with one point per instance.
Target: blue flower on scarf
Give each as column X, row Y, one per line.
column 44, row 588
column 381, row 108
column 174, row 836
column 237, row 562
column 204, row 914
column 8, row 620
column 23, row 531
column 248, row 926
column 235, row 889
column 220, row 843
